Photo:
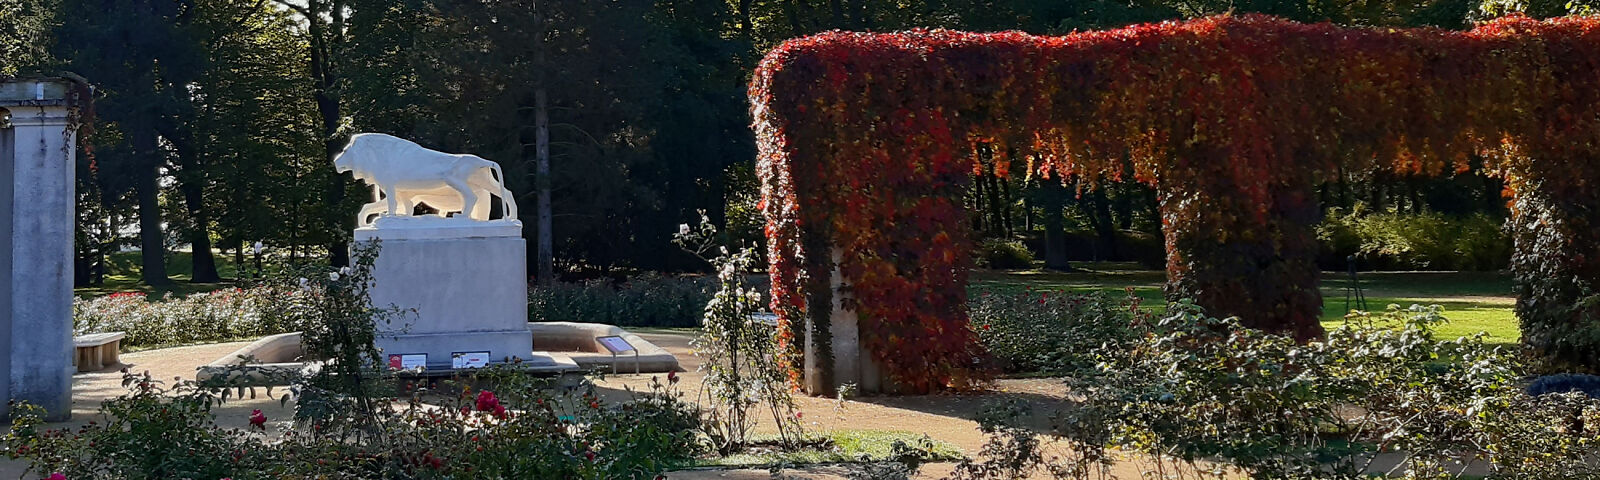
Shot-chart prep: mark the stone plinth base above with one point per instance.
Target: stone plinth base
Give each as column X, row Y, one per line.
column 461, row 286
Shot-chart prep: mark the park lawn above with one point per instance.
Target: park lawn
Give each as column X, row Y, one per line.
column 123, row 276
column 1473, row 301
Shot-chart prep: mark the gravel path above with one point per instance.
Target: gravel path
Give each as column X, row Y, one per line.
column 944, row 417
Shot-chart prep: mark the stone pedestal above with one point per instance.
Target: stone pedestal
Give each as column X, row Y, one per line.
column 462, row 283
column 37, row 156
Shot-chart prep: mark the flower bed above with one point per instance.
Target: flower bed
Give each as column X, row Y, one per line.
column 1052, row 332
column 226, row 314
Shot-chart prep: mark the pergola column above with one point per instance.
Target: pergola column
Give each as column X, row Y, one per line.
column 37, row 201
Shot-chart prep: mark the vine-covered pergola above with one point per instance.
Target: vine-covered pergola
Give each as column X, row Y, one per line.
column 867, row 142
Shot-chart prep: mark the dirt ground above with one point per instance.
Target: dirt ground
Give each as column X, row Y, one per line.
column 943, row 417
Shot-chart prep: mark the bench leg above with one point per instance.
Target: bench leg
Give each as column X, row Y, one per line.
column 88, row 359
column 112, row 353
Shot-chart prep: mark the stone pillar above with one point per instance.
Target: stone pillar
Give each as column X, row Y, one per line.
column 852, row 363
column 37, row 201
column 464, row 284
column 846, row 331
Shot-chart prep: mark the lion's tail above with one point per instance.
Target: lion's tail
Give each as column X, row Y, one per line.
column 506, row 202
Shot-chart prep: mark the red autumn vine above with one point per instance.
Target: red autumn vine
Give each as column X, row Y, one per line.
column 868, row 140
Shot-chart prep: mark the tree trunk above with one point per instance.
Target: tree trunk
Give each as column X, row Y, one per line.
column 979, row 205
column 153, row 249
column 204, row 264
column 1379, row 199
column 191, row 182
column 1103, row 228
column 1124, row 207
column 542, row 183
column 327, row 43
column 793, row 12
column 998, row 223
column 745, row 19
column 863, row 20
column 153, row 267
column 1051, row 199
column 1417, row 202
column 1007, row 212
column 1027, row 215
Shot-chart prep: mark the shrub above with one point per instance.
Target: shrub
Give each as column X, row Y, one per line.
column 1197, row 389
column 1002, row 254
column 739, row 356
column 227, row 314
column 521, row 430
column 1052, row 332
column 649, row 300
column 1427, row 241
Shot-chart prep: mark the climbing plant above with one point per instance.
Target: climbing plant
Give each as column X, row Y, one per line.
column 866, row 141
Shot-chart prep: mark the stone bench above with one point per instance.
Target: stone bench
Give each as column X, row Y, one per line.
column 96, row 350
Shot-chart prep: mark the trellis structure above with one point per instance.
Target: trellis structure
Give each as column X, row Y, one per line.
column 868, row 140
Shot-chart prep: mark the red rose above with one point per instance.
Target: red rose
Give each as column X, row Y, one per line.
column 258, row 420
column 487, row 401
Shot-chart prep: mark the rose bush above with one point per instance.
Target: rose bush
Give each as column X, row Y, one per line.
column 523, row 430
column 226, row 314
column 1052, row 332
column 1202, row 397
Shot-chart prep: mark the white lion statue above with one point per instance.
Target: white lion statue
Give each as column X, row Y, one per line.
column 404, row 174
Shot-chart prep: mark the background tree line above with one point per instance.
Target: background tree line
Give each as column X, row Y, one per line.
column 216, row 119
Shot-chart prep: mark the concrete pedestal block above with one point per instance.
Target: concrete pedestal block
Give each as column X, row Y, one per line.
column 462, row 286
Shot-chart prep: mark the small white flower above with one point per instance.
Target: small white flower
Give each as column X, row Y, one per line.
column 683, row 229
column 345, row 271
column 304, row 283
column 333, row 276
column 724, row 250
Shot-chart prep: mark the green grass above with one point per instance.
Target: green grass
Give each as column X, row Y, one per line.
column 849, row 446
column 124, row 270
column 1473, row 301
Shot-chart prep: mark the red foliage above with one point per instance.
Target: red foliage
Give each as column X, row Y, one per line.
column 867, row 141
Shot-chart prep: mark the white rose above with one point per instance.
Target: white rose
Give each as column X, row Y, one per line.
column 333, row 276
